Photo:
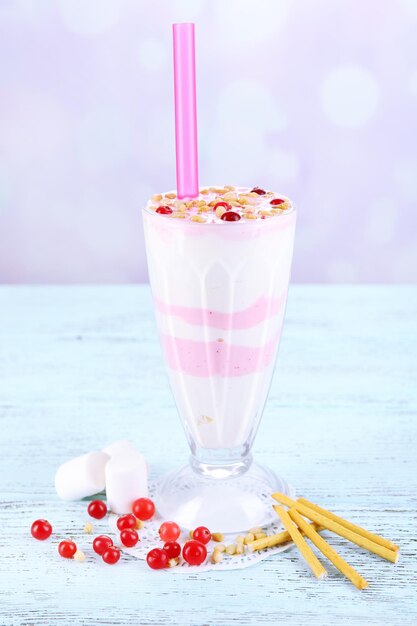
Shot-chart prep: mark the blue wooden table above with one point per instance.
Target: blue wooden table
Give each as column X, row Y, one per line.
column 81, row 367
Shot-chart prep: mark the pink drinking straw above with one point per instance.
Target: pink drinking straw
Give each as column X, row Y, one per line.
column 185, row 111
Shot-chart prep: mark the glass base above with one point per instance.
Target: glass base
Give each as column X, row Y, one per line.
column 230, row 499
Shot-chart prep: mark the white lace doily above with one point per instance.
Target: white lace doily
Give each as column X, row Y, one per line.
column 149, row 538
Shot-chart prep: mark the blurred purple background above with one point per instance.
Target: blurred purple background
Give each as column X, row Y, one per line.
column 317, row 100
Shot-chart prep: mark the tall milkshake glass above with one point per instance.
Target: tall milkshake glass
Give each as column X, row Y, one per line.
column 219, row 290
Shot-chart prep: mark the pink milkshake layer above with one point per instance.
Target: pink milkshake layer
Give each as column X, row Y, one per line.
column 219, row 288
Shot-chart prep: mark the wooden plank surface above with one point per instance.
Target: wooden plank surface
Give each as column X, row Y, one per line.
column 81, row 367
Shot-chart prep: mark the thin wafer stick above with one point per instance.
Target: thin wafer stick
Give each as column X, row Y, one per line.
column 356, row 529
column 316, row 567
column 274, row 540
column 343, row 567
column 363, row 542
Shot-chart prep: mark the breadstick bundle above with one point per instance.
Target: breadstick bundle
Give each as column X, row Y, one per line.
column 297, row 529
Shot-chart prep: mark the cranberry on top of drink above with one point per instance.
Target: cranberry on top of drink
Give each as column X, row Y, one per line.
column 221, row 205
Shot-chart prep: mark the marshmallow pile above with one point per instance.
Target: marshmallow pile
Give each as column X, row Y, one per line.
column 119, row 468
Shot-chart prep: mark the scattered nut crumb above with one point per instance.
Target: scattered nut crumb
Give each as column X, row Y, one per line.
column 171, row 195
column 173, row 562
column 230, row 549
column 191, row 534
column 249, row 537
column 220, row 547
column 256, row 529
column 88, row 528
column 157, row 197
column 197, row 218
column 217, row 536
column 216, row 557
column 139, row 524
column 79, row 556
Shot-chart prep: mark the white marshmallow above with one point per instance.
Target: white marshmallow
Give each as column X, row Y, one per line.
column 81, row 477
column 126, row 480
column 124, row 445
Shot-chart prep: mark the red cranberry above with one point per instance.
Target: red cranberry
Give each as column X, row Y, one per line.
column 194, row 552
column 101, row 543
column 226, row 205
column 126, row 521
column 111, row 555
column 230, row 216
column 164, row 210
column 157, row 558
column 129, row 537
column 259, row 191
column 143, row 508
column 41, row 529
column 202, row 534
column 173, row 549
column 97, row 509
column 276, row 201
column 67, row 549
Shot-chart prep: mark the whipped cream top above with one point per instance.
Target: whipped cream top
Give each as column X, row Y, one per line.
column 221, row 205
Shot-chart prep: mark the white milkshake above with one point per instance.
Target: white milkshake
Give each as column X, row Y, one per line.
column 219, row 269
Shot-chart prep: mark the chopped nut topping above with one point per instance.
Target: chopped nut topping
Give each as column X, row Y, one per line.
column 251, row 204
